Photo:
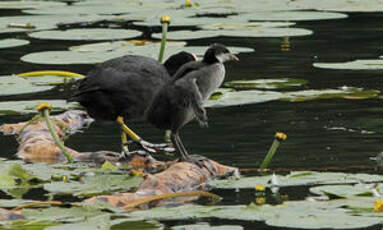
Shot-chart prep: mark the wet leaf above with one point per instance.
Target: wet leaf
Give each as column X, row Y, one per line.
column 84, row 55
column 26, row 224
column 12, row 42
column 245, row 26
column 15, row 180
column 58, row 214
column 85, row 34
column 7, row 203
column 24, row 107
column 235, row 98
column 343, row 191
column 344, row 92
column 314, row 215
column 42, row 22
column 206, row 226
column 373, row 64
column 255, row 32
column 266, row 83
column 95, row 185
column 292, row 16
column 341, row 6
column 13, row 85
column 101, row 222
column 297, row 179
column 28, row 4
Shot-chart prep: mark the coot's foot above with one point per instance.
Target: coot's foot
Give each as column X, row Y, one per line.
column 156, row 148
column 199, row 161
column 127, row 155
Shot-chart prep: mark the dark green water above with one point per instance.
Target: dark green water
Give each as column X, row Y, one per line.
column 323, row 134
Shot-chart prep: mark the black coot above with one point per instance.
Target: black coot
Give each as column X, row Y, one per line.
column 124, row 87
column 180, row 101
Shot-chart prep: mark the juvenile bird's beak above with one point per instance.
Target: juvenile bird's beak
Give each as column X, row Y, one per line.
column 233, row 57
column 194, row 56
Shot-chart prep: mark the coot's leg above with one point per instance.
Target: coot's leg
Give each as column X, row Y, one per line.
column 150, row 147
column 178, row 145
column 195, row 159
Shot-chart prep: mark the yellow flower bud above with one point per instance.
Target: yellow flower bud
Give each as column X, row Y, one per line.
column 260, row 188
column 378, row 206
column 43, row 106
column 280, row 136
column 188, row 3
column 165, row 19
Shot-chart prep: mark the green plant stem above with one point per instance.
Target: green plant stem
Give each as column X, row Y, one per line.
column 55, row 137
column 163, row 40
column 270, row 154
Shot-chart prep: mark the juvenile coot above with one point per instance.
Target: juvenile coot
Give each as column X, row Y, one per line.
column 124, row 87
column 180, row 101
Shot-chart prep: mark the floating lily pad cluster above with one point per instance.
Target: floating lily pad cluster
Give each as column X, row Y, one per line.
column 14, row 85
column 100, row 52
column 373, row 64
column 76, row 180
column 351, row 207
column 245, row 92
column 350, row 198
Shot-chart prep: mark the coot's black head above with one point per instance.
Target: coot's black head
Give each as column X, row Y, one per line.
column 174, row 62
column 218, row 53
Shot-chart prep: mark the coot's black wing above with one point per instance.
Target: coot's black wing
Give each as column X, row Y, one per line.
column 122, row 86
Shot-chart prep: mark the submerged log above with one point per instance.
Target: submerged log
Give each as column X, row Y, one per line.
column 37, row 144
column 179, row 177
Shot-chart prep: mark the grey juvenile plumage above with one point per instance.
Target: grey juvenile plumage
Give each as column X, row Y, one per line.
column 180, row 101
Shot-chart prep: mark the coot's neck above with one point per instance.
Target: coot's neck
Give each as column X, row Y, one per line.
column 209, row 57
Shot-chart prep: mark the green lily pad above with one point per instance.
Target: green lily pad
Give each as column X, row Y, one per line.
column 183, row 18
column 28, row 4
column 26, row 224
column 85, row 34
column 100, row 222
column 94, row 185
column 206, row 226
column 13, row 85
column 303, row 178
column 12, row 42
column 86, row 8
column 25, row 107
column 43, row 22
column 311, row 215
column 5, row 203
column 266, row 83
column 14, row 180
column 293, row 16
column 340, row 6
column 235, row 98
column 245, row 26
column 344, row 92
column 374, row 64
column 343, row 191
column 255, row 32
column 61, row 214
column 84, row 55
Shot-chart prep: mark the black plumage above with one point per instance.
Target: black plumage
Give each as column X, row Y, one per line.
column 181, row 100
column 125, row 87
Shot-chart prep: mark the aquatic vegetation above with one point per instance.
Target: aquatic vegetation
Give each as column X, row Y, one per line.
column 12, row 42
column 85, row 34
column 353, row 65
